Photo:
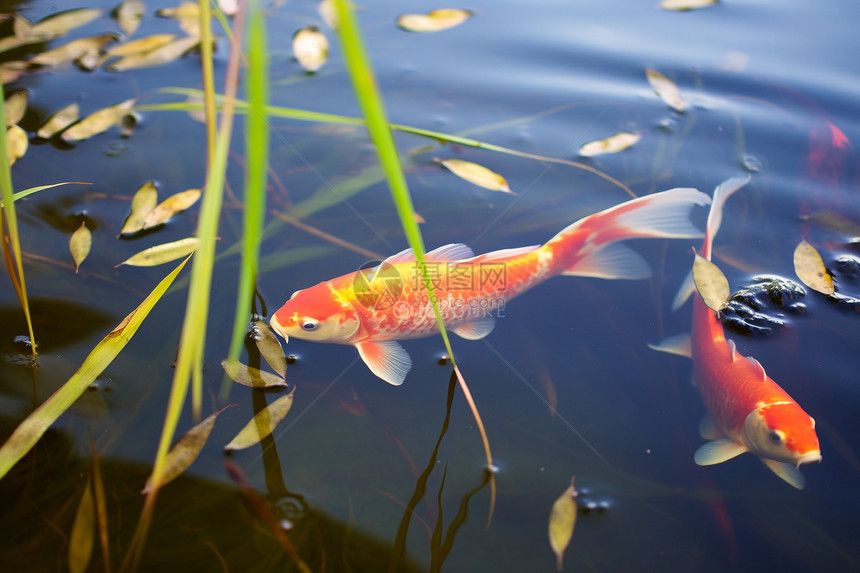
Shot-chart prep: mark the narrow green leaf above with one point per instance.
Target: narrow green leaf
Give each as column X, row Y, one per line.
column 31, row 190
column 250, row 376
column 263, row 423
column 164, row 253
column 82, row 536
column 562, row 519
column 37, row 423
column 809, row 267
column 79, row 245
column 712, row 284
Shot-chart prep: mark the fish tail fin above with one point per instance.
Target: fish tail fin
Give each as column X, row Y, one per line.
column 588, row 247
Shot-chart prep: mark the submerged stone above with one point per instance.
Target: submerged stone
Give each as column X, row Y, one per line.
column 753, row 311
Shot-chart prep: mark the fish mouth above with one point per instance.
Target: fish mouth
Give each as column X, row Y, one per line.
column 809, row 457
column 276, row 326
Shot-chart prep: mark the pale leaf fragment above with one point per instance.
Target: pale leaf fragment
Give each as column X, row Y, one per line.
column 61, row 23
column 163, row 54
column 612, row 144
column 328, row 13
column 129, row 14
column 562, row 519
column 61, row 119
column 16, row 143
column 187, row 15
column 263, row 423
column 270, row 347
column 82, row 536
column 140, row 45
column 477, row 174
column 185, row 450
column 310, row 48
column 712, row 284
column 99, row 121
column 433, row 21
column 74, row 50
column 15, row 107
column 160, row 254
column 142, row 204
column 684, row 5
column 666, row 89
column 250, row 376
column 80, row 244
column 810, row 269
column 171, row 206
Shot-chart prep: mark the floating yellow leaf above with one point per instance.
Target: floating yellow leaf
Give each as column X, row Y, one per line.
column 270, row 347
column 684, row 5
column 11, row 71
column 185, row 450
column 142, row 204
column 129, row 14
column 712, row 284
column 99, row 121
column 477, row 174
column 82, row 537
column 262, row 424
column 562, row 518
column 612, row 144
column 74, row 50
column 666, row 89
column 60, row 23
column 835, row 222
column 16, row 143
column 434, row 21
column 140, row 45
column 310, row 48
column 160, row 55
column 249, row 376
column 171, row 206
column 810, row 269
column 61, row 119
column 160, row 254
column 187, row 15
column 80, row 244
column 15, row 107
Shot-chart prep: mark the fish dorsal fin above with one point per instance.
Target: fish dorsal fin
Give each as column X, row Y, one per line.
column 718, row 451
column 386, row 359
column 708, row 429
column 757, row 367
column 680, row 344
column 477, row 329
column 448, row 253
column 404, row 256
column 786, row 471
column 732, row 348
column 614, row 261
column 506, row 253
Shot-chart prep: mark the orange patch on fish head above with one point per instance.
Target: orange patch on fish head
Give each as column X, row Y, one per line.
column 317, row 313
column 783, row 432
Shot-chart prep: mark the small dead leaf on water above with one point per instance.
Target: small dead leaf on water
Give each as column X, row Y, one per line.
column 262, row 424
column 15, row 107
column 129, row 14
column 250, row 376
column 666, row 89
column 99, row 121
column 684, row 5
column 310, row 48
column 712, row 284
column 171, row 206
column 185, row 450
column 433, row 21
column 74, row 50
column 612, row 144
column 810, row 269
column 562, row 519
column 63, row 118
column 60, row 23
column 157, row 56
column 80, row 244
column 140, row 45
column 187, row 14
column 834, row 222
column 160, row 254
column 270, row 347
column 477, row 174
column 142, row 204
column 82, row 536
column 16, row 143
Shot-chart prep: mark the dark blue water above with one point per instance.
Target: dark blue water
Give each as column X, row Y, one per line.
column 766, row 85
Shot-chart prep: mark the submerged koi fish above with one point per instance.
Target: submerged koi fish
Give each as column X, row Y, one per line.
column 747, row 410
column 372, row 309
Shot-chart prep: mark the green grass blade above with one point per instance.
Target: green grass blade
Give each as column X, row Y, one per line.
column 31, row 429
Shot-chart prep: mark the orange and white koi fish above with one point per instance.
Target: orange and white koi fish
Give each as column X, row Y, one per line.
column 373, row 309
column 747, row 410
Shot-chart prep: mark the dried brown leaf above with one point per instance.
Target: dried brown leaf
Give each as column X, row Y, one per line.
column 270, row 347
column 16, row 143
column 140, row 45
column 99, row 121
column 160, row 254
column 129, row 14
column 142, row 204
column 61, row 119
column 262, row 424
column 810, row 269
column 612, row 144
column 476, row 174
column 162, row 54
column 712, row 284
column 15, row 107
column 171, row 206
column 80, row 244
column 74, row 50
column 249, row 376
column 562, row 519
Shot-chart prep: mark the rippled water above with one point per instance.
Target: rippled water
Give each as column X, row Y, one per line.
column 767, row 84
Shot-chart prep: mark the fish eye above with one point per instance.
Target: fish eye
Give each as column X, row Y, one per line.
column 776, row 436
column 309, row 324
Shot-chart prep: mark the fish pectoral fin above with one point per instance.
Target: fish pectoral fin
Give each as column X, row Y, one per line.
column 679, row 344
column 718, row 451
column 708, row 429
column 387, row 359
column 787, row 472
column 477, row 329
column 614, row 261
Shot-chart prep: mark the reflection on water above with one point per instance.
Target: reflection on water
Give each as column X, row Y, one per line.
column 366, row 477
